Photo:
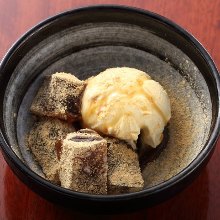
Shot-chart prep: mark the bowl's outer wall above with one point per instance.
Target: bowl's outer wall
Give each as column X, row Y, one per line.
column 164, row 29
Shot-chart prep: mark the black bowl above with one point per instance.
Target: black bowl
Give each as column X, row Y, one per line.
column 86, row 41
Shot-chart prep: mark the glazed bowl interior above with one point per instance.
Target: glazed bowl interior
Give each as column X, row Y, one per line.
column 87, row 41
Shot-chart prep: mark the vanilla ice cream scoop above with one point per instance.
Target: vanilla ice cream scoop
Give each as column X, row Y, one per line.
column 124, row 102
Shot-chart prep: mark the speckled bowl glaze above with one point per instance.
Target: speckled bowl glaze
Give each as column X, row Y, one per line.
column 85, row 42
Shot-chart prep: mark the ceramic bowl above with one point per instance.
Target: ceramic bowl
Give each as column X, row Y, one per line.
column 88, row 40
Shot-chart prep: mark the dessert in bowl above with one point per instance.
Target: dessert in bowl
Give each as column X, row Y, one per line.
column 121, row 104
column 88, row 41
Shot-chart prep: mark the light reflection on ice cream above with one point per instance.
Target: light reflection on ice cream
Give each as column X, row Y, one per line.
column 122, row 102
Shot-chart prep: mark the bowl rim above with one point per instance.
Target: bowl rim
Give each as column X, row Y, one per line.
column 202, row 156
